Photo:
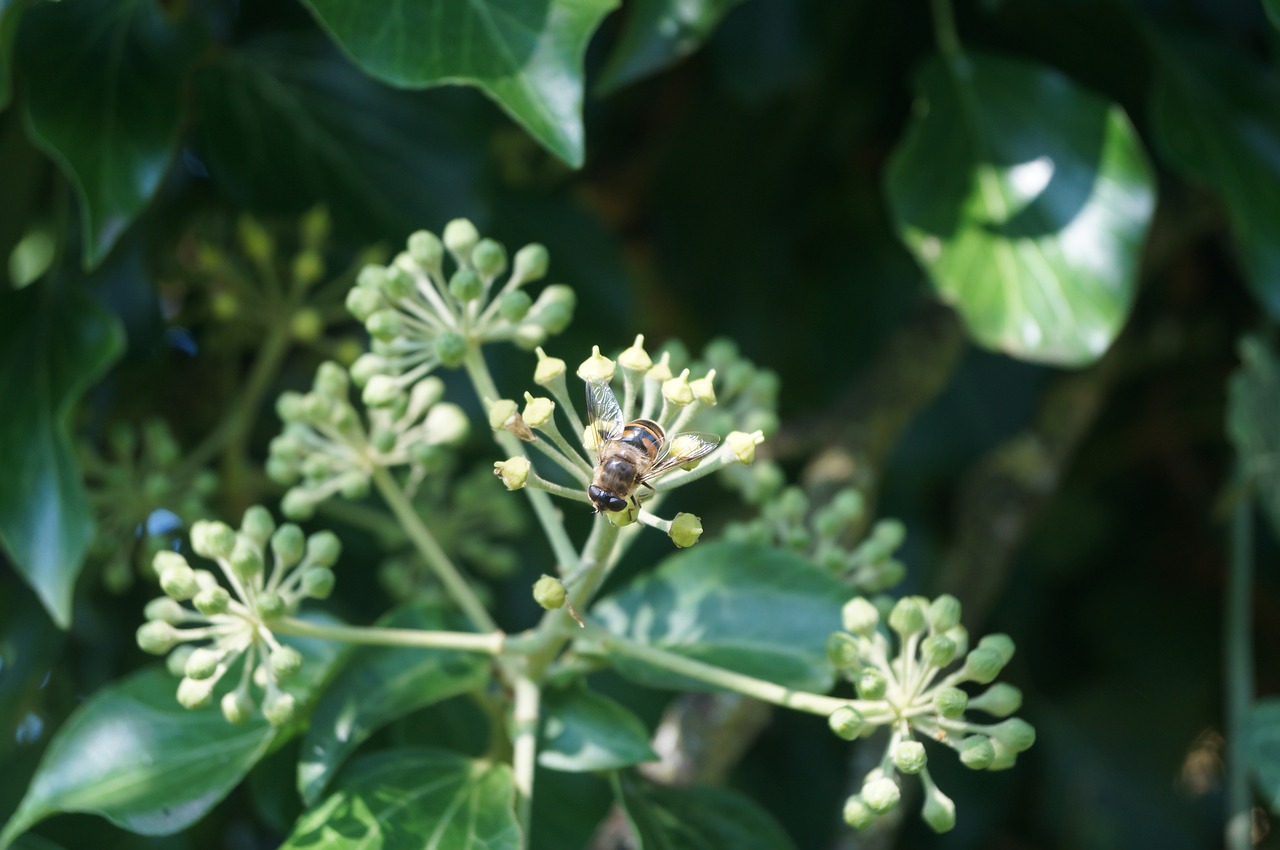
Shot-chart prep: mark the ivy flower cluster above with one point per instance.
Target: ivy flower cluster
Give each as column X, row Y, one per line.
column 912, row 694
column 869, row 564
column 327, row 448
column 224, row 623
column 650, row 390
column 420, row 316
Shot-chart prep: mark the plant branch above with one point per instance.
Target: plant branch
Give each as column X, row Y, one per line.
column 1237, row 647
column 491, row 643
column 524, row 760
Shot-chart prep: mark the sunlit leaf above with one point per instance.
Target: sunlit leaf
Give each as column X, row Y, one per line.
column 411, row 799
column 658, row 33
column 585, row 731
column 53, row 346
column 106, row 104
column 759, row 611
column 1026, row 199
column 525, row 54
column 665, row 818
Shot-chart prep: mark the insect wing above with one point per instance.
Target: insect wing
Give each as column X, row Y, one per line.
column 681, row 449
column 604, row 416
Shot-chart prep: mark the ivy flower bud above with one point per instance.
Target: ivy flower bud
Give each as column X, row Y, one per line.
column 1015, row 733
column 270, row 606
column 257, row 524
column 175, row 662
column 178, row 581
column 554, row 308
column 537, row 411
column 237, row 707
column 446, row 424
column 307, row 324
column 212, row 540
column 881, row 794
column 889, row 533
column 164, row 609
column 514, row 472
column 489, row 258
column 504, row 416
column 842, row 651
column 451, row 348
column 596, row 368
column 983, row 665
column 999, row 700
column 743, row 445
column 943, row 613
column 365, row 367
column 909, row 756
column 938, row 650
column 529, row 336
column 466, row 285
column 685, row 530
column 950, row 702
column 871, row 684
column 677, row 390
column 976, row 752
column 859, row 616
column 907, row 617
column 278, row 707
column 426, row 249
column 212, row 600
column 460, row 236
column 515, row 305
column 156, row 637
column 383, row 325
column 203, row 663
column 548, row 369
column 286, row 661
column 1002, row 644
column 288, row 544
column 246, row 559
column 195, row 693
column 531, row 263
column 704, row 389
column 1004, row 758
column 635, row 358
column 323, row 549
column 846, row 721
column 857, row 813
column 938, row 811
column 549, row 592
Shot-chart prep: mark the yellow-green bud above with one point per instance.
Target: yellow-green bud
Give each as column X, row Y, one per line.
column 548, row 369
column 960, row 635
column 195, row 693
column 999, row 700
column 661, row 370
column 881, row 794
column 372, row 276
column 255, row 239
column 288, row 544
column 323, row 549
column 489, row 258
column 446, row 424
column 976, row 752
column 515, row 305
column 178, row 581
column 939, row 812
column 176, row 661
column 315, row 225
column 460, row 236
column 156, row 637
column 501, row 412
column 982, row 665
column 212, row 540
column 597, row 368
column 270, row 605
column 622, row 518
column 1015, row 733
column 212, row 600
column 1004, row 757
column 278, row 707
column 529, row 336
column 298, row 503
column 943, row 613
column 286, row 661
column 383, row 325
column 225, row 305
column 514, row 472
column 365, row 367
column 889, row 533
column 166, row 558
column 704, row 389
column 677, row 390
column 257, row 524
column 165, row 609
column 846, row 721
column 549, row 592
column 871, row 684
column 554, row 308
column 306, row 324
column 842, row 651
column 466, row 285
column 237, row 706
column 950, row 702
column 859, row 616
column 938, row 650
column 317, row 582
column 203, row 663
column 426, row 249
column 685, row 530
column 531, row 263
column 909, row 756
column 363, row 301
column 1003, row 644
column 451, row 348
column 857, row 813
column 635, row 358
column 907, row 617
column 743, row 445
column 537, row 411
column 246, row 559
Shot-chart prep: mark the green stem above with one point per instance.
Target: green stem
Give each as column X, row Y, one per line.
column 524, row 759
column 491, row 643
column 944, row 28
column 454, row 584
column 1238, row 628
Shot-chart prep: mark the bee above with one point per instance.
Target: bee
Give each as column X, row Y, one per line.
column 631, row 454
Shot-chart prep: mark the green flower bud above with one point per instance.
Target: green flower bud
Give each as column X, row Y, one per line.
column 451, row 348
column 431, row 458
column 531, row 263
column 976, row 752
column 384, row 442
column 743, row 445
column 286, row 661
column 1015, row 733
column 298, row 503
column 999, row 700
column 677, row 390
column 257, row 524
column 596, row 368
column 909, row 756
column 859, row 616
column 212, row 540
column 514, row 472
column 237, row 707
column 313, row 229
column 549, row 592
column 489, row 258
column 466, row 285
column 842, row 651
column 622, row 518
column 289, row 406
column 529, row 336
column 943, row 613
column 317, row 582
column 365, row 367
column 635, row 358
column 400, row 282
column 331, row 380
column 889, row 533
column 156, row 637
column 950, row 702
column 857, row 813
column 515, row 305
column 983, row 665
column 306, row 325
column 960, row 635
column 685, row 530
column 460, row 236
column 356, row 486
column 661, row 370
column 383, row 325
column 270, row 606
column 871, row 684
column 907, row 617
column 426, row 249
column 317, row 467
column 1002, row 644
column 537, row 411
column 554, row 308
column 178, row 581
column 846, row 721
column 176, row 662
column 288, row 544
column 278, row 707
column 212, row 600
column 704, row 389
column 938, row 650
column 246, row 559
column 323, row 549
column 255, row 240
column 881, row 794
column 203, row 663
column 548, row 370
column 372, row 277
column 939, row 812
column 166, row 610
column 195, row 693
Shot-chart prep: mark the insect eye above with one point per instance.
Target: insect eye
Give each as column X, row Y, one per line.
column 616, row 504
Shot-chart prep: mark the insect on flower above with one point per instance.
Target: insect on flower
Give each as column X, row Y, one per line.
column 631, row 454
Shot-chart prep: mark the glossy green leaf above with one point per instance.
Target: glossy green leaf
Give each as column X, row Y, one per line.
column 658, row 33
column 378, row 685
column 10, row 14
column 135, row 756
column 665, row 818
column 410, row 799
column 585, row 731
column 1253, row 421
column 383, row 161
column 1026, row 199
column 1262, row 749
column 524, row 54
column 759, row 611
column 104, row 100
column 1216, row 118
column 53, row 346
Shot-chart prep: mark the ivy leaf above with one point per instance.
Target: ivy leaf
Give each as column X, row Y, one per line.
column 413, row 798
column 585, row 731
column 1262, row 749
column 378, row 685
column 107, row 104
column 135, row 756
column 1026, row 199
column 1253, row 421
column 758, row 611
column 524, row 54
column 658, row 33
column 1216, row 118
column 666, row 818
column 53, row 346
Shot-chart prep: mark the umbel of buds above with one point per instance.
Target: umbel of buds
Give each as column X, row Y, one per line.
column 912, row 685
column 207, row 622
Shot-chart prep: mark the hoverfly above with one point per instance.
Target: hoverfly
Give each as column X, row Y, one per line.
column 631, row 454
